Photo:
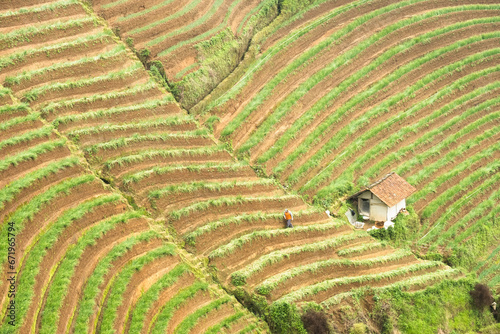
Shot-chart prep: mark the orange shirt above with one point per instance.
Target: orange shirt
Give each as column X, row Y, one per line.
column 288, row 215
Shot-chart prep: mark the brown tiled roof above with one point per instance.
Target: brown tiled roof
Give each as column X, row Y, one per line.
column 391, row 189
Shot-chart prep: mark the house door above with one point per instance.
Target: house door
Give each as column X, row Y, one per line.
column 364, row 208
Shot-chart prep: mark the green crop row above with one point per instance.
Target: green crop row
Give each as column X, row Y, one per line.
column 191, row 168
column 343, row 59
column 312, row 290
column 281, row 46
column 465, row 183
column 196, row 23
column 102, row 113
column 25, row 55
column 189, row 6
column 238, row 220
column 26, row 137
column 225, row 323
column 39, row 8
column 35, row 93
column 394, row 139
column 190, row 321
column 29, row 75
column 18, row 120
column 285, row 106
column 87, row 303
column 13, row 109
column 270, row 284
column 336, row 140
column 347, row 252
column 52, row 107
column 491, row 273
column 454, row 208
column 162, row 318
column 27, row 212
column 120, row 283
column 240, row 277
column 9, row 192
column 211, row 186
column 465, row 222
column 457, row 170
column 430, row 169
column 422, row 280
column 162, row 5
column 147, row 299
column 162, row 137
column 11, row 39
column 30, row 154
column 232, row 246
column 487, row 222
column 140, row 124
column 45, row 240
column 168, row 153
column 223, row 201
column 335, row 185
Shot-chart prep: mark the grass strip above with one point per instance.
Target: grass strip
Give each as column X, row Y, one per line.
column 471, row 218
column 168, row 153
column 189, row 6
column 39, row 249
column 223, row 201
column 393, row 139
column 422, row 280
column 27, row 212
column 238, row 220
column 52, row 107
column 222, row 167
column 147, row 299
column 285, row 106
column 140, row 124
column 136, row 138
column 193, row 187
column 281, row 46
column 198, row 22
column 454, row 208
column 65, row 271
column 9, row 192
column 54, row 49
column 270, row 284
column 149, row 105
column 239, row 277
column 121, row 281
column 226, row 323
column 88, row 301
column 30, row 75
column 190, row 321
column 26, row 137
column 311, row 290
column 24, row 35
column 161, row 5
column 335, row 141
column 40, row 8
column 160, row 321
column 6, row 125
column 30, row 154
column 246, row 239
column 33, row 94
column 360, row 249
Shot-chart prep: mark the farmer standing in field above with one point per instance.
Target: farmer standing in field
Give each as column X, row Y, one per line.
column 288, row 217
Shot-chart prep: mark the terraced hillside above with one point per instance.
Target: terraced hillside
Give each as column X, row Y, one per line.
column 88, row 140
column 345, row 92
column 82, row 259
column 198, row 42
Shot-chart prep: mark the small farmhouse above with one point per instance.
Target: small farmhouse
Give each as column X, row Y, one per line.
column 382, row 200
